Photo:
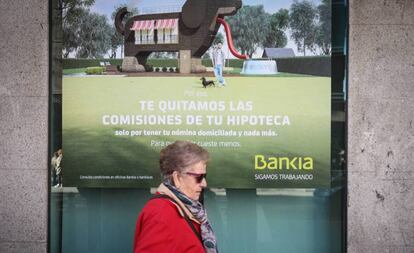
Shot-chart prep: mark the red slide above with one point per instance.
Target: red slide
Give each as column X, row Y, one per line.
column 230, row 40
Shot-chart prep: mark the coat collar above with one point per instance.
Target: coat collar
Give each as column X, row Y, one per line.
column 162, row 189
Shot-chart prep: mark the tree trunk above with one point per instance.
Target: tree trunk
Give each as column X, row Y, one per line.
column 304, row 48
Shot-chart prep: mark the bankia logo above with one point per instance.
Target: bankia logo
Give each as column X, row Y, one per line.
column 283, row 168
column 262, row 162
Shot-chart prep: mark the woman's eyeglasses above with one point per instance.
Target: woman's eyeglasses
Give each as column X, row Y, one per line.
column 198, row 176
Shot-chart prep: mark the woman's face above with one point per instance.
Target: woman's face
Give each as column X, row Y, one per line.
column 191, row 180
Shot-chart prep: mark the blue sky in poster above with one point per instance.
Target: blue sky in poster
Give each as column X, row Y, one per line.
column 106, row 7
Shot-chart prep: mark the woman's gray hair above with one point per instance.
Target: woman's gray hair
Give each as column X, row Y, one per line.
column 179, row 155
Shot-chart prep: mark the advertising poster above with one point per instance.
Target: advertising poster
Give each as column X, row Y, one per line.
column 261, row 107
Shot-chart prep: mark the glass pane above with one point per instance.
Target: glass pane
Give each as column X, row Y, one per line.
column 244, row 220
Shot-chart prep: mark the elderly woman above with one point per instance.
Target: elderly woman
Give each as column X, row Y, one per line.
column 174, row 220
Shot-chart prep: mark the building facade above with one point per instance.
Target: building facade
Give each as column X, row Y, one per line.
column 380, row 139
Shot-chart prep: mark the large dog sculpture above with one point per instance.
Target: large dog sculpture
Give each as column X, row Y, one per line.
column 197, row 27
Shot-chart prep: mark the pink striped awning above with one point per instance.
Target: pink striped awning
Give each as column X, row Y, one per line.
column 166, row 23
column 143, row 25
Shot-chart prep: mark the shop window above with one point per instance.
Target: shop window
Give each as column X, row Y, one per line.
column 98, row 218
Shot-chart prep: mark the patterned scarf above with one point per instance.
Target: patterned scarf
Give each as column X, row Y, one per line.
column 199, row 212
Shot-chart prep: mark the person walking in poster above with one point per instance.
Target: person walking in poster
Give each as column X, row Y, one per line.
column 217, row 59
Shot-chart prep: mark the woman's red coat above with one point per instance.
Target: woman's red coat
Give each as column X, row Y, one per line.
column 161, row 228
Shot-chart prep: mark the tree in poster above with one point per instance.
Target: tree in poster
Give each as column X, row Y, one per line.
column 71, row 11
column 70, row 37
column 94, row 36
column 302, row 22
column 276, row 36
column 323, row 35
column 246, row 37
column 117, row 40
